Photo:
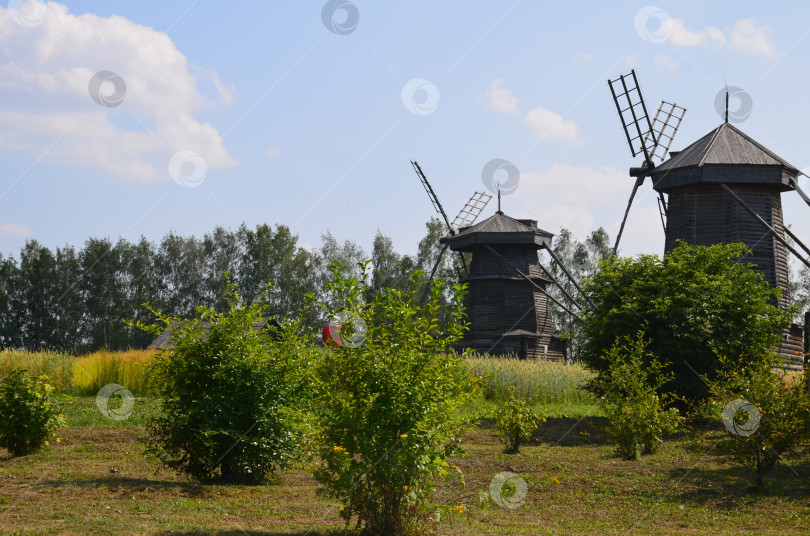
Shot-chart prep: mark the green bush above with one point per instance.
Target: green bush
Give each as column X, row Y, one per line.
column 516, row 422
column 692, row 302
column 231, row 395
column 388, row 403
column 28, row 414
column 765, row 412
column 628, row 392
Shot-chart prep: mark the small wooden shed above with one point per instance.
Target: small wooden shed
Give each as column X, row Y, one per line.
column 507, row 313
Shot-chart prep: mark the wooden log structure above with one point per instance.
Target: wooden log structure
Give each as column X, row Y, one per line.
column 712, row 186
column 507, row 303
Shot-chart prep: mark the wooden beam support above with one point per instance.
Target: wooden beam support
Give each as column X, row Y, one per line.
column 535, row 285
column 765, row 224
column 570, row 277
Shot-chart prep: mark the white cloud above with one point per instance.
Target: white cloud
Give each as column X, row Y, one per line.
column 498, row 98
column 273, row 152
column 570, row 196
column 716, row 35
column 46, row 107
column 662, row 60
column 749, row 38
column 681, row 36
column 582, row 199
column 14, row 229
column 744, row 36
column 225, row 92
column 549, row 125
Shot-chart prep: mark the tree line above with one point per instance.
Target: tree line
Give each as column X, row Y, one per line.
column 76, row 299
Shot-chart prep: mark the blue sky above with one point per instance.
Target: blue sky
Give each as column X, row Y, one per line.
column 281, row 120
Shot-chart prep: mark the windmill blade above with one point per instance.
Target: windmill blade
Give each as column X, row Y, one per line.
column 432, row 195
column 633, row 114
column 802, row 194
column 639, row 181
column 433, row 273
column 438, row 206
column 470, row 212
column 665, row 124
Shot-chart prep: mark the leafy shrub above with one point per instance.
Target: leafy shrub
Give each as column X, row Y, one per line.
column 628, row 392
column 230, row 395
column 765, row 413
column 516, row 422
column 28, row 414
column 693, row 301
column 388, row 403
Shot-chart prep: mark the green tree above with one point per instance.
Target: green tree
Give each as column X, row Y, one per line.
column 10, row 319
column 231, row 394
column 430, row 248
column 582, row 260
column 695, row 302
column 629, row 392
column 275, row 257
column 179, row 263
column 222, row 253
column 69, row 307
column 764, row 410
column 37, row 296
column 102, row 288
column 140, row 285
column 390, row 269
column 29, row 415
column 388, row 403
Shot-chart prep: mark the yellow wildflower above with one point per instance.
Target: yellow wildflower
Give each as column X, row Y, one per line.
column 337, row 448
column 458, row 509
column 554, row 479
column 403, row 436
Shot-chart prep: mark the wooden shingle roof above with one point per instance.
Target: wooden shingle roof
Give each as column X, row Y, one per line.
column 500, row 229
column 727, row 155
column 724, row 145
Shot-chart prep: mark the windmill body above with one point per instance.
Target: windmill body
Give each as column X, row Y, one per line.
column 507, row 313
column 701, row 211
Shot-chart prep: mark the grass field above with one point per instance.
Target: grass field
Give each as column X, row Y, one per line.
column 97, row 479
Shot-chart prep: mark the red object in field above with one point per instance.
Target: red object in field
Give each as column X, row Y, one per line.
column 331, row 336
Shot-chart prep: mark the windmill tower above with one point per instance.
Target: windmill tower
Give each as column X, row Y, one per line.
column 726, row 187
column 711, row 186
column 507, row 305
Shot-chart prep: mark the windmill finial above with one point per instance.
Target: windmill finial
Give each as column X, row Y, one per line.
column 726, row 102
column 499, row 198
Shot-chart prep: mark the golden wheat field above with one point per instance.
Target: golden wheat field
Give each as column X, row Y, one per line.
column 538, row 381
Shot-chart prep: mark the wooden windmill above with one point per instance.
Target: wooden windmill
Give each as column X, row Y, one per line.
column 725, row 187
column 507, row 302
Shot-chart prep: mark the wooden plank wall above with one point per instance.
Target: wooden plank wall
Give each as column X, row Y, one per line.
column 500, row 301
column 705, row 214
